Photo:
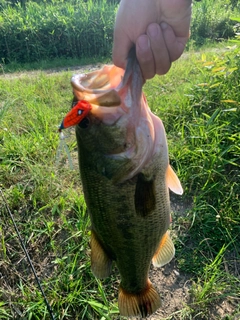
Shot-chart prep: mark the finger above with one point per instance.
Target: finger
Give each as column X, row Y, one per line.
column 121, row 41
column 145, row 57
column 159, row 49
column 121, row 47
column 175, row 45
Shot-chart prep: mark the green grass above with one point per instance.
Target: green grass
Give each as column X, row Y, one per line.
column 80, row 29
column 53, row 65
column 198, row 101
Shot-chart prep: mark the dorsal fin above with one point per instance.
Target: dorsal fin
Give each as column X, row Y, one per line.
column 173, row 182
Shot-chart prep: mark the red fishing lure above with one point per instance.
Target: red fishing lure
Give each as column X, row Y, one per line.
column 76, row 114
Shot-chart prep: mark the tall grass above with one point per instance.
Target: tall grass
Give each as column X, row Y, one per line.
column 198, row 101
column 77, row 28
column 211, row 23
column 62, row 29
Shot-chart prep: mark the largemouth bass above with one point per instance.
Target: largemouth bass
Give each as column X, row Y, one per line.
column 125, row 172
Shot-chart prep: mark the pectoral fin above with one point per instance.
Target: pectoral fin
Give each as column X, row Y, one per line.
column 101, row 264
column 145, row 200
column 165, row 251
column 173, row 182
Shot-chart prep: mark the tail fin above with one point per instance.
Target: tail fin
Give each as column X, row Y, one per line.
column 141, row 304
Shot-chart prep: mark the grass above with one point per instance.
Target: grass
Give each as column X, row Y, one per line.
column 72, row 29
column 51, row 64
column 198, row 101
column 55, row 29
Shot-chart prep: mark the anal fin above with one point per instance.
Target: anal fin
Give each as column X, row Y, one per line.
column 101, row 264
column 165, row 251
column 140, row 304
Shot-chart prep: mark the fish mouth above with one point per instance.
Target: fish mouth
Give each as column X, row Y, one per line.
column 99, row 87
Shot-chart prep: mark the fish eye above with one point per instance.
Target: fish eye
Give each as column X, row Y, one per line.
column 84, row 124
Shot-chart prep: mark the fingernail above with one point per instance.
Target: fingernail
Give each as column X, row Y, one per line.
column 164, row 25
column 153, row 30
column 143, row 42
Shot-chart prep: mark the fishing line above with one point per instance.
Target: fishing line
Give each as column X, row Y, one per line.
column 27, row 256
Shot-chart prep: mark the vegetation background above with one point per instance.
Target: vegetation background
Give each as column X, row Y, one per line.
column 198, row 101
column 36, row 30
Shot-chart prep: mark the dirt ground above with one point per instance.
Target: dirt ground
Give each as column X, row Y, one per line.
column 173, row 287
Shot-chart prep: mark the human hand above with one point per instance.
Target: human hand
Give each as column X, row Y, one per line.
column 159, row 28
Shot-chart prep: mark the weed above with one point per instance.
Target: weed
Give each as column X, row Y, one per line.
column 47, row 30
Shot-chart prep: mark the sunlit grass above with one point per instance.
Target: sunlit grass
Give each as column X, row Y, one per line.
column 198, row 101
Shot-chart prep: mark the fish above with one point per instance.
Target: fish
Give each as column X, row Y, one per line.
column 126, row 177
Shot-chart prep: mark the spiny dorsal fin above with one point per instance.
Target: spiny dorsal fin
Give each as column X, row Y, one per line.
column 165, row 251
column 173, row 182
